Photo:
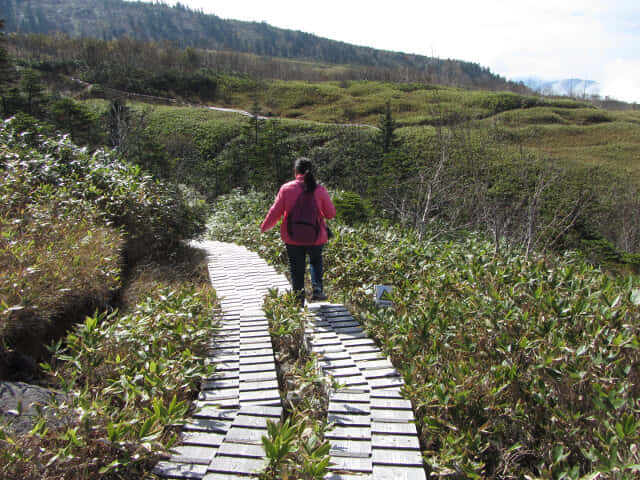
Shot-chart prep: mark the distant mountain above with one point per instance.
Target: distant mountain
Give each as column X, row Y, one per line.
column 182, row 27
column 570, row 87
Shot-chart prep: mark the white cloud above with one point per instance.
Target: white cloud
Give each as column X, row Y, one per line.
column 622, row 80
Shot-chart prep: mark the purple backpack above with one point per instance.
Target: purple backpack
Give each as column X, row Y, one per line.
column 303, row 222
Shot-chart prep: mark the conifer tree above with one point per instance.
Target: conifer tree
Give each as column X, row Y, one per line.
column 387, row 137
column 7, row 72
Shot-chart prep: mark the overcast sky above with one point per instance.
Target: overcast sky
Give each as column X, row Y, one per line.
column 552, row 39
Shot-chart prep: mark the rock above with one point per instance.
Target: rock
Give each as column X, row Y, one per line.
column 21, row 405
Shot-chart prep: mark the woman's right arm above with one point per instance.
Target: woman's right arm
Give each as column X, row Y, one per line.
column 275, row 212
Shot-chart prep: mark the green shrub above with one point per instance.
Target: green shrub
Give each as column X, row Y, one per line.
column 69, row 221
column 154, row 216
column 351, row 208
column 516, row 367
column 127, row 381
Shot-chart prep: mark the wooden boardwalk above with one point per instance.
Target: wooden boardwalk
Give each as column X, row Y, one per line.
column 373, row 438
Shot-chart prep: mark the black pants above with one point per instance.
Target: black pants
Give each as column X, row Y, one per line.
column 297, row 266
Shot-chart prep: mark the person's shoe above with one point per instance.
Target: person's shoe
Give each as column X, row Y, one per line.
column 318, row 297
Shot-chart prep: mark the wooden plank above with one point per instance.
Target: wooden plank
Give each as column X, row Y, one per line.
column 197, row 454
column 374, row 364
column 368, row 348
column 325, row 342
column 349, row 408
column 207, row 425
column 349, row 337
column 244, row 346
column 350, row 448
column 349, row 433
column 259, row 385
column 256, row 367
column 226, row 476
column 380, row 373
column 220, row 384
column 393, row 428
column 180, row 470
column 351, row 464
column 391, row 403
column 385, row 382
column 251, row 421
column 263, row 376
column 395, row 457
column 343, row 362
column 227, row 403
column 224, row 375
column 347, row 329
column 382, row 472
column 246, row 435
column 241, row 450
column 273, row 412
column 341, row 354
column 350, row 420
column 347, row 476
column 254, row 396
column 397, row 416
column 202, row 438
column 403, row 442
column 257, row 352
column 253, row 360
column 359, row 342
column 352, row 380
column 324, row 335
column 346, row 371
column 208, row 410
column 392, row 392
column 341, row 396
column 236, row 465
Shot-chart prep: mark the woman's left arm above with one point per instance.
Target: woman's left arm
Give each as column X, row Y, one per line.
column 275, row 212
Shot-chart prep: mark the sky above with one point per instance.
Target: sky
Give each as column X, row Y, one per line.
column 551, row 39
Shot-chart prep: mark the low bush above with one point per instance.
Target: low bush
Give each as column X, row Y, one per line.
column 69, row 222
column 516, row 367
column 128, row 381
column 153, row 215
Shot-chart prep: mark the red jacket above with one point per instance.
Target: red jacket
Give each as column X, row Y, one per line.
column 284, row 203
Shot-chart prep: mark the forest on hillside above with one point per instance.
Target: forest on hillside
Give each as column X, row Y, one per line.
column 181, row 28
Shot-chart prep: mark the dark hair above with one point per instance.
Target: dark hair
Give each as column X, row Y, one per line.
column 305, row 167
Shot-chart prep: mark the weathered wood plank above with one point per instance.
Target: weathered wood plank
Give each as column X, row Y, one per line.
column 236, row 465
column 180, row 470
column 395, row 457
column 196, row 454
column 382, row 472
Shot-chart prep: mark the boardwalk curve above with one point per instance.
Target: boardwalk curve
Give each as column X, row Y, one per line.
column 373, row 438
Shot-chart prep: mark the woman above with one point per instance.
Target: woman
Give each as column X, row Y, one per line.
column 297, row 251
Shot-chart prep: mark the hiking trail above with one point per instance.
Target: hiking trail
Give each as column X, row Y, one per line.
column 374, row 436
